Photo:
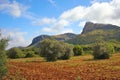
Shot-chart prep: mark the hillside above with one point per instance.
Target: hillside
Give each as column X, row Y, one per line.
column 94, row 31
column 61, row 37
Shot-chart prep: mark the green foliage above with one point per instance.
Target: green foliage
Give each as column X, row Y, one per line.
column 87, row 49
column 36, row 50
column 116, row 45
column 15, row 53
column 68, row 51
column 100, row 51
column 53, row 50
column 93, row 36
column 30, row 54
column 110, row 48
column 77, row 50
column 3, row 66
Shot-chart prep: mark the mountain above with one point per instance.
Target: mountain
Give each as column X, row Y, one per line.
column 61, row 37
column 93, row 32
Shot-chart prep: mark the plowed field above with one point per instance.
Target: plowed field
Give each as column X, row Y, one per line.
column 83, row 67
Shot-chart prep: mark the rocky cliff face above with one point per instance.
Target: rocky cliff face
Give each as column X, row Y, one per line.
column 89, row 26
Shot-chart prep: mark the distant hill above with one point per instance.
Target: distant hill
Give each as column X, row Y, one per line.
column 61, row 37
column 95, row 31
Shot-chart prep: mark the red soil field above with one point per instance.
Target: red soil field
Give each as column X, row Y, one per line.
column 83, row 67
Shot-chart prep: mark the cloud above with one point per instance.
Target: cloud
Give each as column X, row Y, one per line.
column 17, row 38
column 74, row 14
column 57, row 27
column 12, row 8
column 44, row 21
column 100, row 11
column 105, row 12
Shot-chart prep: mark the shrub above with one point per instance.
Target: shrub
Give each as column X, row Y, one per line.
column 100, row 51
column 77, row 50
column 15, row 53
column 87, row 49
column 30, row 54
column 36, row 50
column 110, row 48
column 68, row 52
column 3, row 66
column 53, row 50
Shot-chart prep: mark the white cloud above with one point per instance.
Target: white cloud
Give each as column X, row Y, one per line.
column 101, row 11
column 44, row 21
column 57, row 26
column 73, row 14
column 17, row 38
column 13, row 8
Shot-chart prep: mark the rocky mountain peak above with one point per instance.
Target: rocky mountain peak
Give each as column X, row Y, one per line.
column 90, row 26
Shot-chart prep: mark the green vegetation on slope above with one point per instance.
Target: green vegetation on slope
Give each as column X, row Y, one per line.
column 95, row 35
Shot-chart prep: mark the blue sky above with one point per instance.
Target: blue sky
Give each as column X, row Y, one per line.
column 23, row 20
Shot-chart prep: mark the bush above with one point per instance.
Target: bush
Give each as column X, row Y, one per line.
column 30, row 54
column 110, row 48
column 100, row 51
column 77, row 50
column 53, row 50
column 15, row 53
column 87, row 49
column 68, row 52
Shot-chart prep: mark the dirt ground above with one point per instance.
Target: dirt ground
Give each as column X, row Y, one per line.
column 77, row 68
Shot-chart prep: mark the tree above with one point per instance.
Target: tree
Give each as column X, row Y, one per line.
column 15, row 53
column 77, row 50
column 53, row 50
column 3, row 66
column 100, row 51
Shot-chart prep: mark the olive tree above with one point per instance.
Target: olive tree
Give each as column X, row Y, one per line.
column 100, row 51
column 53, row 50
